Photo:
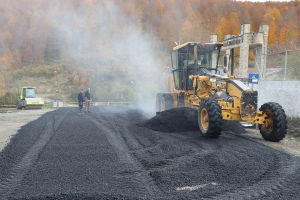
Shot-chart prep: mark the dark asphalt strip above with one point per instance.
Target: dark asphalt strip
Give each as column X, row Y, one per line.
column 20, row 169
column 131, row 165
column 104, row 155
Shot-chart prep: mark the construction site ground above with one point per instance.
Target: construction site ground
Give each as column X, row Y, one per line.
column 123, row 153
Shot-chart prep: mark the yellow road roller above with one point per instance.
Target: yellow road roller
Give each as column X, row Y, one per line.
column 28, row 100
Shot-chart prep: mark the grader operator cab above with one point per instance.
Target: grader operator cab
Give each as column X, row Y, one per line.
column 197, row 83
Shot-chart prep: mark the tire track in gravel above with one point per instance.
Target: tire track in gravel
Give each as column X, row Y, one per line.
column 153, row 164
column 271, row 182
column 18, row 172
column 114, row 132
column 272, row 178
column 277, row 176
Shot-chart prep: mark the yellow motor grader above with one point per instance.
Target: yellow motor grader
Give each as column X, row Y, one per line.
column 196, row 82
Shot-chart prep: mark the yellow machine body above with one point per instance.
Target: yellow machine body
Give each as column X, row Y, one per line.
column 199, row 84
column 28, row 100
column 241, row 102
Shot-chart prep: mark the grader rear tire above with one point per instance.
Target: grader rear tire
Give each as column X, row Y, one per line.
column 210, row 118
column 275, row 127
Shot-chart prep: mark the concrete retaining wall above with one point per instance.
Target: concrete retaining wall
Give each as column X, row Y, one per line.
column 286, row 93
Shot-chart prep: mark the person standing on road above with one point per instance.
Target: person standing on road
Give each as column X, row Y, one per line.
column 88, row 100
column 80, row 101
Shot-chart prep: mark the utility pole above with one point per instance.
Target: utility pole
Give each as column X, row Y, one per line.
column 58, row 85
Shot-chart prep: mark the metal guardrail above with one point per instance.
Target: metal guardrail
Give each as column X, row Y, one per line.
column 103, row 103
column 75, row 104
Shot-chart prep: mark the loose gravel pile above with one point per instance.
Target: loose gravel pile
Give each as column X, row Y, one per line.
column 184, row 119
column 104, row 155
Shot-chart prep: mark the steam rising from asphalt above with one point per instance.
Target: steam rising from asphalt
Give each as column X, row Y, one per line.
column 109, row 37
column 117, row 42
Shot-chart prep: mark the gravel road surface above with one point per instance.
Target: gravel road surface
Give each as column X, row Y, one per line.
column 118, row 153
column 11, row 121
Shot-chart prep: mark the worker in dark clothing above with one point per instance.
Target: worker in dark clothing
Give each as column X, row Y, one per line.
column 88, row 100
column 80, row 101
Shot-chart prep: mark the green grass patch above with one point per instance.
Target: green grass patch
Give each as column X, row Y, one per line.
column 46, row 107
column 295, row 139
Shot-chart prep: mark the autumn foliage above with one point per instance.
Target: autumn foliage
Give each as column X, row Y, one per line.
column 123, row 40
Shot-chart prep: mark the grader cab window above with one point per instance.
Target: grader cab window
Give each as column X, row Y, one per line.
column 174, row 56
column 183, row 62
column 178, row 60
column 207, row 59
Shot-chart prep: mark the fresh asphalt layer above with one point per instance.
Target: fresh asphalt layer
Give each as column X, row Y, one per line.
column 118, row 153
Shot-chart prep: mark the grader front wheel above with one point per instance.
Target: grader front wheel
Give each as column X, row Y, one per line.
column 210, row 118
column 275, row 125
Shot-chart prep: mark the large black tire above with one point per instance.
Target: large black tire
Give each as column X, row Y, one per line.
column 167, row 102
column 19, row 104
column 275, row 127
column 210, row 118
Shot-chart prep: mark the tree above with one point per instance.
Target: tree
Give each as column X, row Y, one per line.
column 222, row 28
column 185, row 32
column 233, row 27
column 276, row 14
column 282, row 35
column 3, row 73
column 270, row 19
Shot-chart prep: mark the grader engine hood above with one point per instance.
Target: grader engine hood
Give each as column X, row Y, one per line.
column 246, row 99
column 249, row 105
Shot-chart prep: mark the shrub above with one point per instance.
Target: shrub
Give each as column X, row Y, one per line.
column 9, row 98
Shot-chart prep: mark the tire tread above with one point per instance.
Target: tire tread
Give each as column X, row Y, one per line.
column 279, row 122
column 214, row 115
